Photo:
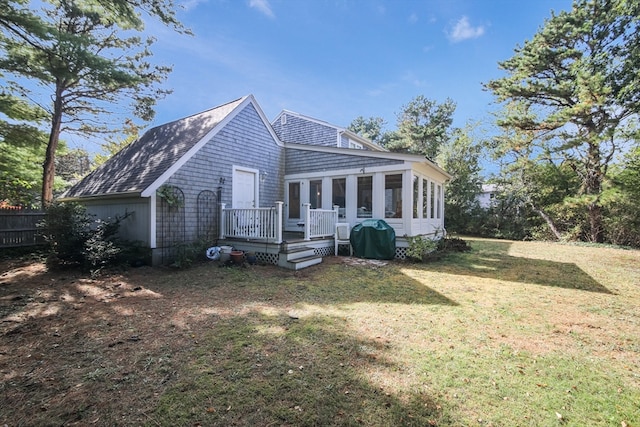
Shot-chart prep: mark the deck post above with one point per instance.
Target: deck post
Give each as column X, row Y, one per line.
column 279, row 220
column 222, row 206
column 306, row 207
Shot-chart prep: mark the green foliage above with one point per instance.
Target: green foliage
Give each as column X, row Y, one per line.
column 460, row 157
column 576, row 75
column 424, row 249
column 169, row 194
column 423, row 127
column 77, row 240
column 113, row 145
column 66, row 228
column 72, row 165
column 188, row 253
column 620, row 200
column 82, row 56
column 370, row 128
column 420, row 247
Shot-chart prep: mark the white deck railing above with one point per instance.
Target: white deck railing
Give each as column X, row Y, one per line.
column 256, row 223
column 266, row 223
column 319, row 222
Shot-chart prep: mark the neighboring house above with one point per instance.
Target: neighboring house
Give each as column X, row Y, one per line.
column 227, row 175
column 487, row 197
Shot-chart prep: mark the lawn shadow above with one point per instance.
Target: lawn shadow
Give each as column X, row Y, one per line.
column 340, row 283
column 273, row 370
column 491, row 260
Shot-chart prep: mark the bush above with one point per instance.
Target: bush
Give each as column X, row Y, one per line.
column 77, row 240
column 420, row 247
column 423, row 249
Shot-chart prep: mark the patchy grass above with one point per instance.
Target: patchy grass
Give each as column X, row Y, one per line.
column 510, row 333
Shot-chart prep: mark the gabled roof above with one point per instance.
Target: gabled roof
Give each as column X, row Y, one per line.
column 144, row 165
column 350, row 134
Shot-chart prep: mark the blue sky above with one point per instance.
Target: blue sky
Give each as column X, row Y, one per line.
column 338, row 59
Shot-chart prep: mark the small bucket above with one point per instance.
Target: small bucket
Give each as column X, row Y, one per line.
column 225, row 253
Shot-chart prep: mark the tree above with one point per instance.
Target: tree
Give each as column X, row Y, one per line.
column 370, row 128
column 620, row 198
column 73, row 165
column 112, row 145
column 423, row 126
column 20, row 151
column 81, row 53
column 460, row 157
column 579, row 76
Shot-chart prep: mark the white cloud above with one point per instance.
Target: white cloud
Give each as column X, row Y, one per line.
column 263, row 6
column 463, row 30
column 413, row 18
column 189, row 5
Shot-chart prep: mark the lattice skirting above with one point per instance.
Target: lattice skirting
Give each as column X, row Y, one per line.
column 266, row 258
column 401, row 253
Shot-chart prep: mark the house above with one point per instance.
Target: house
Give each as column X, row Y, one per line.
column 228, row 175
column 487, row 196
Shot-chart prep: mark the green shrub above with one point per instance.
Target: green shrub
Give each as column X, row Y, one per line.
column 420, row 247
column 423, row 249
column 78, row 240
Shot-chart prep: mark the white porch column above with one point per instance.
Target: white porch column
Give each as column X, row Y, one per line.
column 307, row 220
column 222, row 206
column 279, row 220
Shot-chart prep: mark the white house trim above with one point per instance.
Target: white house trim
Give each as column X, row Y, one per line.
column 189, row 154
column 152, row 221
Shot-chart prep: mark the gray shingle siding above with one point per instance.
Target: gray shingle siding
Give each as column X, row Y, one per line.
column 298, row 130
column 301, row 161
column 244, row 141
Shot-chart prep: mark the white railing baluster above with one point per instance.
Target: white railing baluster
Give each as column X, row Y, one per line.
column 256, row 223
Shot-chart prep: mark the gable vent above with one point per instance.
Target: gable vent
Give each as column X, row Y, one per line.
column 283, row 119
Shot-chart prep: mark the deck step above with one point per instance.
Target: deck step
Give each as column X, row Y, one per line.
column 300, row 263
column 298, row 258
column 295, row 253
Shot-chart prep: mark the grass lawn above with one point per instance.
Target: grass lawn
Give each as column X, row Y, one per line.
column 509, row 334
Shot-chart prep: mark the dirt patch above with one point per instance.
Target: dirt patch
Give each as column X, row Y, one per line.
column 73, row 349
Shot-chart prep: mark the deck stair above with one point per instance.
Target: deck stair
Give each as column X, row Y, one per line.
column 298, row 258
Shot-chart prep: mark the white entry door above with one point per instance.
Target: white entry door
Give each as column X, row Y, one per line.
column 244, row 189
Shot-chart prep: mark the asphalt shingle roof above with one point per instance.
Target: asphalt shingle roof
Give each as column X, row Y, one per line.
column 141, row 163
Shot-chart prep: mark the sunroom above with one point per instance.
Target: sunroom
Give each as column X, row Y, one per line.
column 405, row 190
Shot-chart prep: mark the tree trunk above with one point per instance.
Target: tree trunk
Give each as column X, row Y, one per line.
column 595, row 223
column 49, row 166
column 593, row 187
column 549, row 221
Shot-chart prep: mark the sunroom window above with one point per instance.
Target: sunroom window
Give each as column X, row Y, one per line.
column 365, row 193
column 393, row 196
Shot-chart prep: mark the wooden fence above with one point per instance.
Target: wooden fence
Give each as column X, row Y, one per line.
column 18, row 227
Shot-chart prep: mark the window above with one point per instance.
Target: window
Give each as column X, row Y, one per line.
column 432, row 200
column 393, row 196
column 439, row 201
column 416, row 194
column 315, row 194
column 356, row 145
column 364, row 192
column 294, row 200
column 338, row 195
column 425, row 198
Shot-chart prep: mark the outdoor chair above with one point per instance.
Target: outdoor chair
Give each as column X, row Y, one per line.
column 342, row 237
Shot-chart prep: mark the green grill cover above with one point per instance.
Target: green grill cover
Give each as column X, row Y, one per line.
column 373, row 238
